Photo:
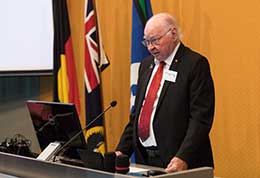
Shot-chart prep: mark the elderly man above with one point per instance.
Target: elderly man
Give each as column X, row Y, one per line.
column 174, row 105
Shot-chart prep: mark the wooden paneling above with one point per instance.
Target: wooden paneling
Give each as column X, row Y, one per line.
column 228, row 33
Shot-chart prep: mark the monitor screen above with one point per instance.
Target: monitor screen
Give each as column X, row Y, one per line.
column 55, row 121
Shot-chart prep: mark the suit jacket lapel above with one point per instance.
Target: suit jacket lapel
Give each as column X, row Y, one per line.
column 174, row 66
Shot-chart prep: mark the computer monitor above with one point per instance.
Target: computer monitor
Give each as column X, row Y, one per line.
column 54, row 121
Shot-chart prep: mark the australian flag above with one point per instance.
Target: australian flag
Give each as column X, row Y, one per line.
column 95, row 61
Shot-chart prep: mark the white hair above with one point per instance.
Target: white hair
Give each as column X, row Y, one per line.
column 168, row 21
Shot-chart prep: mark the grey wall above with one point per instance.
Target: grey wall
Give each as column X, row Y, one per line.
column 14, row 116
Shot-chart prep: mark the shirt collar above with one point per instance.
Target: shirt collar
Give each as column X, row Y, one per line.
column 169, row 59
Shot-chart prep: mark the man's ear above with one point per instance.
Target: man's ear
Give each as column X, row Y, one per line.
column 174, row 34
column 174, row 31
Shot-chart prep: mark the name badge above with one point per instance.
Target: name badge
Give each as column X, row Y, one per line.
column 170, row 75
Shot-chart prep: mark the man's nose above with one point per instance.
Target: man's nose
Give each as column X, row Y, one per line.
column 150, row 46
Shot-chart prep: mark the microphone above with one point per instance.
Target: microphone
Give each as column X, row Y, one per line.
column 122, row 164
column 112, row 104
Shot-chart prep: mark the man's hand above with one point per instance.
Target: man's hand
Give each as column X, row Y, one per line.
column 118, row 153
column 176, row 164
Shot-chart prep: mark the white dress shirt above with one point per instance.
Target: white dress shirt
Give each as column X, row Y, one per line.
column 150, row 141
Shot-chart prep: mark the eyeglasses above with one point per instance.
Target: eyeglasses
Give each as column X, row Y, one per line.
column 154, row 41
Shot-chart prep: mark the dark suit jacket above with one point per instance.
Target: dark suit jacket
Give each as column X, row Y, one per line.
column 184, row 113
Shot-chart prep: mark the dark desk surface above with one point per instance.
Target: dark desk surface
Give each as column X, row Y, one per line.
column 13, row 166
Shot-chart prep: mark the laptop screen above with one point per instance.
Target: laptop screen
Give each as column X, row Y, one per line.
column 54, row 121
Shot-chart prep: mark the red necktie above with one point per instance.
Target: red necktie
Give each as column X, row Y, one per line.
column 144, row 121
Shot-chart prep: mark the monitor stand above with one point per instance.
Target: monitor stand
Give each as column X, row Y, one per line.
column 48, row 153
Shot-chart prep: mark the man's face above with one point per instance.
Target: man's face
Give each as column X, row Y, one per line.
column 160, row 41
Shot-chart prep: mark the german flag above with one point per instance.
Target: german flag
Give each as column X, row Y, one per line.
column 65, row 80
